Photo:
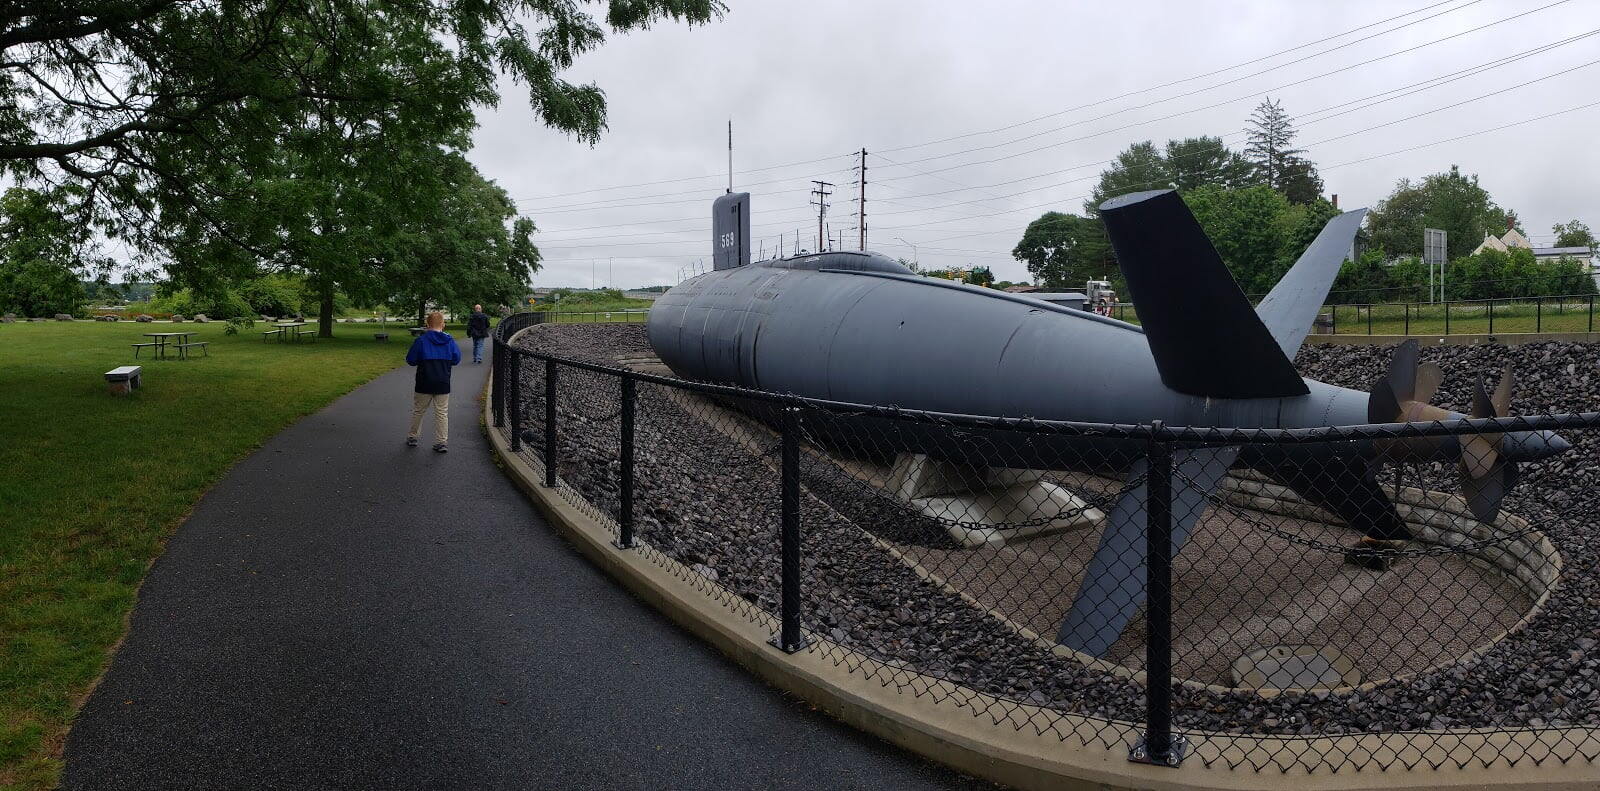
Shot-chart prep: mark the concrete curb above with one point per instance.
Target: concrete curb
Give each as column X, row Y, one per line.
column 953, row 725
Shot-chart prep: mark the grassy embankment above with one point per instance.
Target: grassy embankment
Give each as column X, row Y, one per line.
column 93, row 484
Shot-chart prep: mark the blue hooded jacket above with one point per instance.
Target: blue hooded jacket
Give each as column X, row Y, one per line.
column 433, row 352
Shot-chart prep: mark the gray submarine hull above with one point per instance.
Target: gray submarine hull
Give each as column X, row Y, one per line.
column 861, row 328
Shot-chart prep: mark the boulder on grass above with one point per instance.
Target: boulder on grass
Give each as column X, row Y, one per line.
column 63, row 317
column 9, row 318
column 37, row 318
column 177, row 318
column 144, row 318
column 200, row 318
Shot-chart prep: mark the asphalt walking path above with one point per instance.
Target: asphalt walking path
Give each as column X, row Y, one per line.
column 342, row 611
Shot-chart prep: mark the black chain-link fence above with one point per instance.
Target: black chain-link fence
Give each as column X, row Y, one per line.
column 1411, row 594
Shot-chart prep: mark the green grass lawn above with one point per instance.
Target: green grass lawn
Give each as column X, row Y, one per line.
column 93, row 484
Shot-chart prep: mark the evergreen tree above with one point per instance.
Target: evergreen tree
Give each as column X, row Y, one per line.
column 1277, row 163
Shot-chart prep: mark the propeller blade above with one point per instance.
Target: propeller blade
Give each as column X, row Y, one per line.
column 1502, row 394
column 1481, row 405
column 1484, row 493
column 1429, row 376
column 1382, row 406
column 1478, row 455
column 1403, row 371
column 1479, row 452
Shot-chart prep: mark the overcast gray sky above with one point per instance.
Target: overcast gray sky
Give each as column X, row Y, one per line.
column 1030, row 91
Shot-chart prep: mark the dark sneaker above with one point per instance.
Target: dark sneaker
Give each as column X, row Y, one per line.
column 440, row 448
column 411, row 442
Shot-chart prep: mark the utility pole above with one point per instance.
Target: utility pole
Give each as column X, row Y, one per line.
column 730, row 156
column 820, row 200
column 862, row 206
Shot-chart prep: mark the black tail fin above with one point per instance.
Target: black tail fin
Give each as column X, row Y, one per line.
column 1205, row 337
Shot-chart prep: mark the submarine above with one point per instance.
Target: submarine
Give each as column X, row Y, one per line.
column 861, row 328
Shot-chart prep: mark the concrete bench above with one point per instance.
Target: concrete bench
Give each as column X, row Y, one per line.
column 125, row 379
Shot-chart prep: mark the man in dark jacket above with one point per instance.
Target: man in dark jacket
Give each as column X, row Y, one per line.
column 477, row 330
column 433, row 353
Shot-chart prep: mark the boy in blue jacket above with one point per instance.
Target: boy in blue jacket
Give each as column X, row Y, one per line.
column 433, row 353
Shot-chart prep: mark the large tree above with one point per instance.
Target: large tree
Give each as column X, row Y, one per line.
column 470, row 247
column 1194, row 162
column 1573, row 234
column 44, row 255
column 1248, row 230
column 1139, row 167
column 1448, row 201
column 1065, row 250
column 87, row 83
column 162, row 109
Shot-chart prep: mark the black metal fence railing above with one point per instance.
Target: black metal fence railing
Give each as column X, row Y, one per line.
column 1462, row 317
column 1402, row 594
column 1564, row 314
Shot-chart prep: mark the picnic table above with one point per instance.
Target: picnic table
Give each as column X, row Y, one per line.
column 415, row 331
column 291, row 330
column 161, row 341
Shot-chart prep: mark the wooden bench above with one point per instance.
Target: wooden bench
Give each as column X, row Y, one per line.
column 269, row 334
column 138, row 346
column 125, row 379
column 312, row 331
column 183, row 348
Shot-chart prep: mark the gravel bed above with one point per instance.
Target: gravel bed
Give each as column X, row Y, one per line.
column 710, row 502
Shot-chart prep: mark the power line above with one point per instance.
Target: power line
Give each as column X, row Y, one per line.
column 1059, row 113
column 1170, row 116
column 1194, row 77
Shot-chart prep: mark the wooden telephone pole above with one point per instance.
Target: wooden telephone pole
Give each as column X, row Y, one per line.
column 819, row 199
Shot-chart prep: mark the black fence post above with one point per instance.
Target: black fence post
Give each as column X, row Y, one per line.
column 1538, row 314
column 1369, row 319
column 550, row 422
column 514, row 374
column 1408, row 318
column 1491, row 316
column 1447, row 318
column 497, row 391
column 1591, row 313
column 789, row 639
column 1333, row 321
column 1160, row 746
column 625, row 484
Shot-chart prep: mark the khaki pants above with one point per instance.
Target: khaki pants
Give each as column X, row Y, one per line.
column 441, row 414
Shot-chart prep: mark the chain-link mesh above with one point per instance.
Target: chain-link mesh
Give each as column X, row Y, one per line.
column 1377, row 596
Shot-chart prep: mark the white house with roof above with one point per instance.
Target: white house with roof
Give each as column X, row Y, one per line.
column 1512, row 238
